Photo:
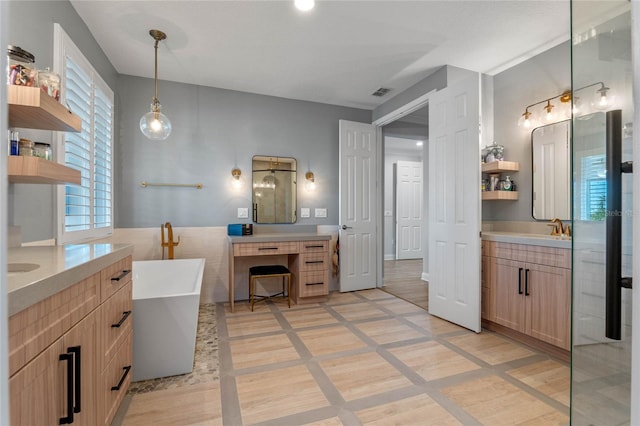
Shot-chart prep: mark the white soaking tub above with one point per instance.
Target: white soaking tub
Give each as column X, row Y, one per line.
column 166, row 298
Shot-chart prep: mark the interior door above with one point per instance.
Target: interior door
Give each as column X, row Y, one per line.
column 358, row 206
column 454, row 204
column 409, row 210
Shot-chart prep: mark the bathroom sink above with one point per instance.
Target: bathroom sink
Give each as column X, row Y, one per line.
column 18, row 268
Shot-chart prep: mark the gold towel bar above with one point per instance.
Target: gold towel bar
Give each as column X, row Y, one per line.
column 144, row 184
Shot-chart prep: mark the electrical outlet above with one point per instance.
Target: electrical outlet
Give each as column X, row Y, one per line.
column 321, row 213
column 243, row 213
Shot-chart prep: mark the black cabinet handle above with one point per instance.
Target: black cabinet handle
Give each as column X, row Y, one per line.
column 614, row 281
column 125, row 315
column 69, row 418
column 124, row 376
column 267, row 248
column 519, row 280
column 318, row 246
column 526, row 282
column 77, row 361
column 314, row 261
column 122, row 275
column 314, row 283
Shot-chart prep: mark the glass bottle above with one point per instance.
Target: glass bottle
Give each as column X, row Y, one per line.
column 507, row 184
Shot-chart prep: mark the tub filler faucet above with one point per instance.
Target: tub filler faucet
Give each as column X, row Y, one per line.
column 170, row 244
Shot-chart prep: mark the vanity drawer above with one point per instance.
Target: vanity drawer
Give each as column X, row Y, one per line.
column 115, row 276
column 116, row 321
column 314, row 284
column 116, row 379
column 268, row 248
column 314, row 246
column 314, row 262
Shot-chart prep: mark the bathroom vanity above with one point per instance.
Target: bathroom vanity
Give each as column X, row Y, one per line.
column 306, row 256
column 526, row 288
column 70, row 333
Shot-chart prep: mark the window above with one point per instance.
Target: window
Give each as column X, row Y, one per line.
column 85, row 210
column 594, row 188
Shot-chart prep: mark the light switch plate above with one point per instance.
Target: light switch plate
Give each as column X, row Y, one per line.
column 321, row 212
column 305, row 212
column 243, row 213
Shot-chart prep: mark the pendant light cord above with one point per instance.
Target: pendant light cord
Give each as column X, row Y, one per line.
column 155, row 97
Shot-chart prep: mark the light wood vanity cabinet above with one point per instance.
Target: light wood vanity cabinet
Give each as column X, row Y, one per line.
column 63, row 349
column 314, row 271
column 529, row 290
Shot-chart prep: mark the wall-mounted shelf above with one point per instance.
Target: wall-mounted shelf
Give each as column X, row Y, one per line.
column 31, row 108
column 500, row 166
column 499, row 195
column 38, row 170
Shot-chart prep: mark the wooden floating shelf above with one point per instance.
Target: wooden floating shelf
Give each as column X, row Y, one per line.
column 31, row 108
column 500, row 166
column 499, row 195
column 38, row 170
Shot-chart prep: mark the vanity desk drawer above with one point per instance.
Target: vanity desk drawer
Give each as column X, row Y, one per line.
column 314, row 246
column 314, row 283
column 314, row 262
column 115, row 276
column 267, row 248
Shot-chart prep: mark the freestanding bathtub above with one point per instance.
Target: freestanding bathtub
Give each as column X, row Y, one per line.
column 166, row 299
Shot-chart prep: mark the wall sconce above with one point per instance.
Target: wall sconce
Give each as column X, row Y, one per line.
column 602, row 100
column 310, row 182
column 154, row 124
column 236, row 178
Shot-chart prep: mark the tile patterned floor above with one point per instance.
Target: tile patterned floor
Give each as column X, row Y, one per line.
column 368, row 358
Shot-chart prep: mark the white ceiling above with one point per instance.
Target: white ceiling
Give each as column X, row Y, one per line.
column 339, row 53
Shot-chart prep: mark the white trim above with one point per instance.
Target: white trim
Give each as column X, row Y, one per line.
column 424, row 276
column 406, row 109
column 389, row 257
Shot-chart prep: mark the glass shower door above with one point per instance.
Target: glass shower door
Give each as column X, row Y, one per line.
column 602, row 204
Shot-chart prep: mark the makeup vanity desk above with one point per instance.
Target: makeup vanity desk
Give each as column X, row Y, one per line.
column 306, row 255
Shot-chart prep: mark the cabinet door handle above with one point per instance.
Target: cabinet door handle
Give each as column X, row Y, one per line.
column 520, row 280
column 69, row 418
column 314, row 261
column 124, row 376
column 318, row 246
column 124, row 273
column 77, row 361
column 526, row 282
column 125, row 314
column 267, row 248
column 314, row 283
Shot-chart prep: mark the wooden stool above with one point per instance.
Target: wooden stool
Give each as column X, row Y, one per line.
column 269, row 271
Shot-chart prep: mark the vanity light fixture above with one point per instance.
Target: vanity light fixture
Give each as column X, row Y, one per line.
column 236, row 178
column 602, row 100
column 310, row 182
column 154, row 124
column 304, row 5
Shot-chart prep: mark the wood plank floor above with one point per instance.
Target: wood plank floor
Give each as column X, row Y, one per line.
column 403, row 279
column 362, row 358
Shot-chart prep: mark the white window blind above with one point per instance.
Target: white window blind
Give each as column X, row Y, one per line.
column 593, row 186
column 85, row 210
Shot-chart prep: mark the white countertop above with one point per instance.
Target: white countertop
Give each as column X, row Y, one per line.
column 531, row 239
column 284, row 236
column 59, row 268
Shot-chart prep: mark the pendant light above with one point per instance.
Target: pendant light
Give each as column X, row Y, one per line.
column 154, row 124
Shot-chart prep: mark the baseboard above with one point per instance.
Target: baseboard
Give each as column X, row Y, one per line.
column 424, row 276
column 389, row 257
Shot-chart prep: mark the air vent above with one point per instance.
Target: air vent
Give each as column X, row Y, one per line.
column 381, row 91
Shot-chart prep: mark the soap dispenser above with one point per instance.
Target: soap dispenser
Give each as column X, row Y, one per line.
column 506, row 185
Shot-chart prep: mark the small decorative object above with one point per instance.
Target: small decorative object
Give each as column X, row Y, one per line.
column 493, row 152
column 49, row 82
column 494, row 180
column 506, row 185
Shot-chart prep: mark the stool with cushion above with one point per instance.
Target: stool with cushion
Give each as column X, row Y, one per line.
column 269, row 271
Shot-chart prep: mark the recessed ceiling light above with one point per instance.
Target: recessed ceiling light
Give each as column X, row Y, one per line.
column 304, row 5
column 419, row 143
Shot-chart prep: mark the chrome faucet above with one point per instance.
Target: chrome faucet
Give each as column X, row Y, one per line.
column 170, row 244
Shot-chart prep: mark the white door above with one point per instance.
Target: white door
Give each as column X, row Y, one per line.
column 454, row 204
column 358, row 214
column 409, row 210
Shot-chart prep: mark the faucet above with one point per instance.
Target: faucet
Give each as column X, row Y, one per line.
column 170, row 244
column 557, row 226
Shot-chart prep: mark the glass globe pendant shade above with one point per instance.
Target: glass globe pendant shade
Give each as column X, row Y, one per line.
column 155, row 125
column 526, row 120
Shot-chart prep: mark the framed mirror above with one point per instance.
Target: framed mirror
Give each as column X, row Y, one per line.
column 551, row 195
column 274, row 189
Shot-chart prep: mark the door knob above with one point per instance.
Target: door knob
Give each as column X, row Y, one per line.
column 345, row 227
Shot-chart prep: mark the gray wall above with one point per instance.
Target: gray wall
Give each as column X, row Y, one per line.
column 541, row 77
column 31, row 27
column 213, row 131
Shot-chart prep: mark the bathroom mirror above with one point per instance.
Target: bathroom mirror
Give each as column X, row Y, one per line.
column 274, row 189
column 551, row 196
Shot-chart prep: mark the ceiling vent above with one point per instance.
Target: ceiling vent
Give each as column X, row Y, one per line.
column 381, row 91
